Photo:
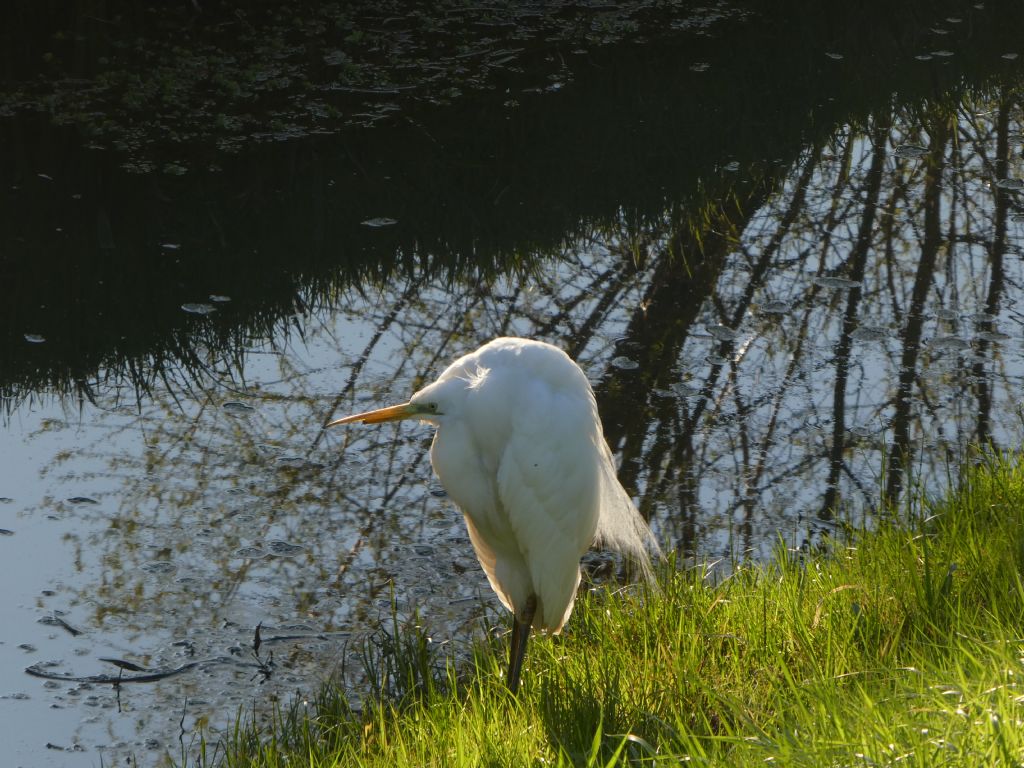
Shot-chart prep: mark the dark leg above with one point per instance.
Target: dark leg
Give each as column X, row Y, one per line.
column 520, row 635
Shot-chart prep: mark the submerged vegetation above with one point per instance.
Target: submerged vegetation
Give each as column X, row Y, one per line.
column 149, row 79
column 902, row 645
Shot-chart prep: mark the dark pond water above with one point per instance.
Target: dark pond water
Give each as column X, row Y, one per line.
column 797, row 290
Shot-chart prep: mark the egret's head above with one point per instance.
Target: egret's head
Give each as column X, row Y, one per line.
column 425, row 410
column 429, row 404
column 445, row 398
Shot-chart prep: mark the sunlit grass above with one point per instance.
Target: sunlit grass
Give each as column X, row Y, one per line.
column 902, row 646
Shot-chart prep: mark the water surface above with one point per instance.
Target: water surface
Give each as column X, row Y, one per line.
column 795, row 299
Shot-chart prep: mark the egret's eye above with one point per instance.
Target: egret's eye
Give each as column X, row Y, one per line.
column 432, row 407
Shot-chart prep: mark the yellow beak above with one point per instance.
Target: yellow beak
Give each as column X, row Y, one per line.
column 393, row 413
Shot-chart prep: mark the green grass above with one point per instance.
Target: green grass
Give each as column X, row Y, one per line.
column 902, row 646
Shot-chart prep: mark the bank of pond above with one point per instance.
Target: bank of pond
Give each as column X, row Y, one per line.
column 899, row 644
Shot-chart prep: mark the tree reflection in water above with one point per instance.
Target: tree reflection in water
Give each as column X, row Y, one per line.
column 831, row 334
column 874, row 339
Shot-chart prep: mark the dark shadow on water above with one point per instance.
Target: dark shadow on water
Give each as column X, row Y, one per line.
column 103, row 260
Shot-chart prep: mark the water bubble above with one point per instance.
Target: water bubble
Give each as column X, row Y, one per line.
column 160, row 567
column 199, row 309
column 911, row 150
column 837, row 283
column 250, row 553
column 284, row 548
column 624, row 363
column 722, row 332
column 870, row 333
column 683, row 389
column 379, row 221
column 776, row 308
column 952, row 343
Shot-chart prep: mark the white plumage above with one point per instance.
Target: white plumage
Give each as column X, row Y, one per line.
column 520, row 449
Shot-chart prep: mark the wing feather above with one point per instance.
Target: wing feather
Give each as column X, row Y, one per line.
column 548, row 482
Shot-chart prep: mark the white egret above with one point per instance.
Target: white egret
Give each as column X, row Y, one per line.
column 520, row 449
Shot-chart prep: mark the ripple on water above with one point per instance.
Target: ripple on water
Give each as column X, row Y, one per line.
column 776, row 308
column 236, row 406
column 949, row 343
column 722, row 332
column 835, row 283
column 160, row 567
column 284, row 548
column 1013, row 185
column 199, row 308
column 911, row 150
column 982, row 317
column 994, row 336
column 870, row 333
column 251, row 553
column 682, row 389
